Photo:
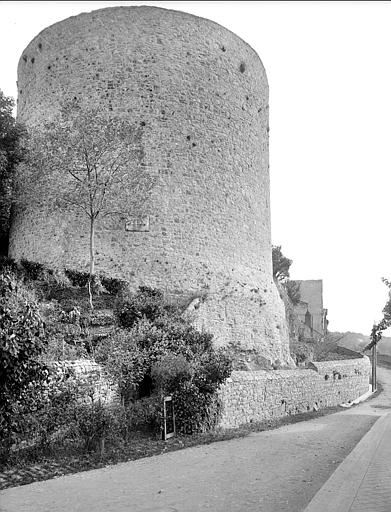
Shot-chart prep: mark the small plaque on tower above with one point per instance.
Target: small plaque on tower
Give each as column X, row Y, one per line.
column 137, row 224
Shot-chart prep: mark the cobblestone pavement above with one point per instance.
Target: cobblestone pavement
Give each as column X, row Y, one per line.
column 32, row 473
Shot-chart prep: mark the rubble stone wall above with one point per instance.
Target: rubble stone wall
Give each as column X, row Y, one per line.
column 260, row 395
column 89, row 374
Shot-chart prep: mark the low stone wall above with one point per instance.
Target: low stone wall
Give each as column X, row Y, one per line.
column 252, row 396
column 89, row 374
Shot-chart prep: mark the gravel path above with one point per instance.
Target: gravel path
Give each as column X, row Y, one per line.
column 273, row 471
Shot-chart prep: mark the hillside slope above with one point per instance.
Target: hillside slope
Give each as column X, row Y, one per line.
column 357, row 341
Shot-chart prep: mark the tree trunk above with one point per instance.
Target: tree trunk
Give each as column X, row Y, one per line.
column 92, row 259
column 92, row 246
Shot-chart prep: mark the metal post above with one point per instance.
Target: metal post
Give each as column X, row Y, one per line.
column 374, row 365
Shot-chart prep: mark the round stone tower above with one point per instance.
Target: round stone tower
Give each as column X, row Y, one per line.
column 199, row 94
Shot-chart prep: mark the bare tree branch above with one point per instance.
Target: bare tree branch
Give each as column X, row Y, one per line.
column 100, row 157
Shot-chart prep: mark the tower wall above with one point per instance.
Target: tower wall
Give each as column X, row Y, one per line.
column 199, row 95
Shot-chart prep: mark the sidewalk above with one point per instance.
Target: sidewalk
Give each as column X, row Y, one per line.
column 362, row 482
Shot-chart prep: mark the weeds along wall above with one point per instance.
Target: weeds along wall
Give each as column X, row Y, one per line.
column 199, row 96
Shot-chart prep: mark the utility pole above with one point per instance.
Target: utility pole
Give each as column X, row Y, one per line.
column 375, row 337
column 374, row 367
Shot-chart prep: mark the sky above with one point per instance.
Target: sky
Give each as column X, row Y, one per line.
column 329, row 72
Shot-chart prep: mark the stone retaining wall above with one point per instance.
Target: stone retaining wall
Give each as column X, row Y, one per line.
column 252, row 396
column 90, row 374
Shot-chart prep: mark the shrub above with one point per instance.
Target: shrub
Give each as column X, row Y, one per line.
column 47, row 420
column 169, row 372
column 160, row 347
column 124, row 360
column 281, row 264
column 146, row 302
column 58, row 349
column 21, row 345
column 114, row 286
column 46, row 280
column 213, row 367
column 54, row 417
column 293, row 291
column 77, row 278
column 65, row 332
column 93, row 424
column 192, row 408
column 302, row 352
column 34, row 270
column 8, row 264
column 146, row 414
column 182, row 337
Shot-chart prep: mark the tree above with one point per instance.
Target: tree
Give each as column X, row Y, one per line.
column 385, row 322
column 281, row 264
column 10, row 155
column 293, row 291
column 86, row 161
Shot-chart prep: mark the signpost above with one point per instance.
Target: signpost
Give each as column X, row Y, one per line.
column 168, row 418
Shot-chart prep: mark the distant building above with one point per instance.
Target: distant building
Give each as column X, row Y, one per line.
column 310, row 312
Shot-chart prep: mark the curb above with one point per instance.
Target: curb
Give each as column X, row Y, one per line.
column 360, row 398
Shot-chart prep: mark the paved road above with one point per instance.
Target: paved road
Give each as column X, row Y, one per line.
column 275, row 471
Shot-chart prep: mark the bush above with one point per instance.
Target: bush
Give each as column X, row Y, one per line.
column 302, row 352
column 293, row 291
column 114, row 286
column 195, row 411
column 131, row 308
column 21, row 345
column 161, row 352
column 93, row 424
column 66, row 333
column 58, row 349
column 64, row 414
column 8, row 264
column 34, row 270
column 124, row 361
column 46, row 280
column 213, row 367
column 65, row 418
column 145, row 415
column 79, row 279
column 171, row 371
column 47, row 420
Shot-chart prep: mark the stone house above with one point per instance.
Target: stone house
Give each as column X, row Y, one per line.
column 311, row 314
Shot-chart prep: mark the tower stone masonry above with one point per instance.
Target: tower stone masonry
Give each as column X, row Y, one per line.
column 199, row 95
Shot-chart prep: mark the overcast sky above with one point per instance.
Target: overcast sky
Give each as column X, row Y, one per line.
column 329, row 71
